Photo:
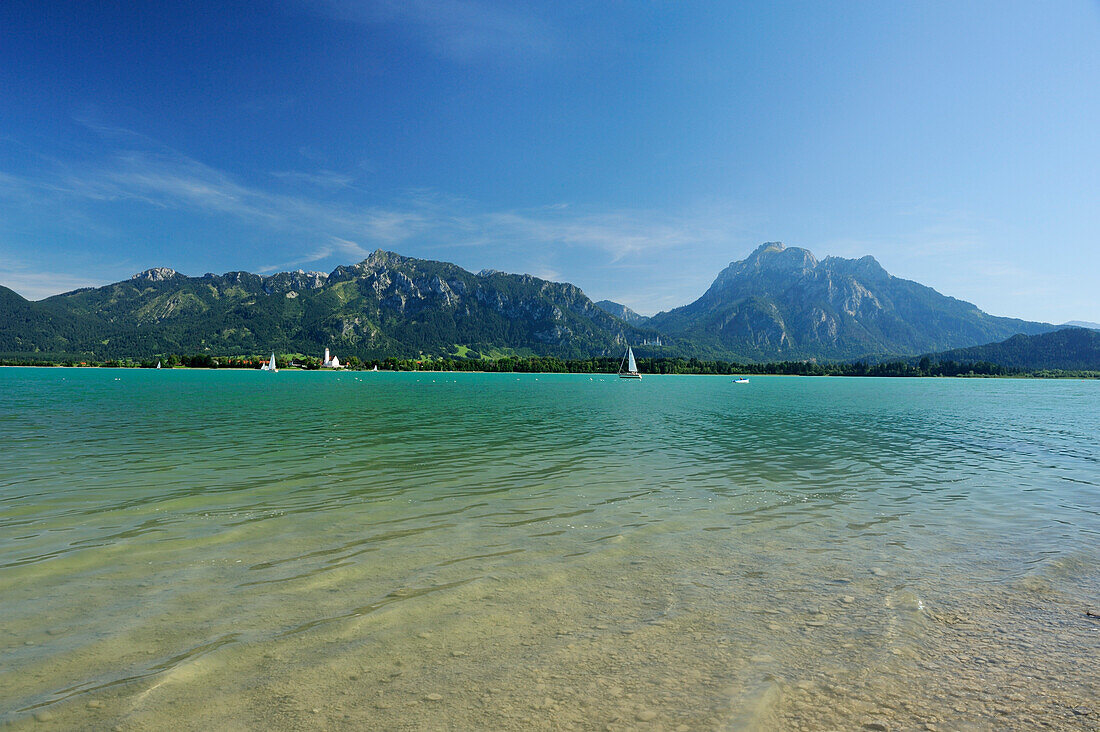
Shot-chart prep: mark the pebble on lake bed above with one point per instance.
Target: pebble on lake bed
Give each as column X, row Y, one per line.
column 434, row 697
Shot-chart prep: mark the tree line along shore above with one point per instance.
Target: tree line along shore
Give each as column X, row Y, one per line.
column 596, row 365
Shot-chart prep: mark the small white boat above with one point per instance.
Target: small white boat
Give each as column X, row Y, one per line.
column 158, row 364
column 375, row 367
column 631, row 371
column 741, row 380
column 270, row 365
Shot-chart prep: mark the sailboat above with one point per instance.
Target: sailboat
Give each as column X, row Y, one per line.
column 270, row 365
column 158, row 364
column 631, row 366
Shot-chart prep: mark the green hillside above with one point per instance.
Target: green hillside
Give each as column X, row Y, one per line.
column 386, row 305
column 1069, row 349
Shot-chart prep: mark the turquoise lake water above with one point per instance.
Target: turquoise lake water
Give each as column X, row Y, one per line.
column 302, row 550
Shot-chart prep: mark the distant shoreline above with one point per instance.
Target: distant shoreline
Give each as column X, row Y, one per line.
column 1044, row 375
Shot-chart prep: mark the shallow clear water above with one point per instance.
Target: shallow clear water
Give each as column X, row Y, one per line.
column 242, row 550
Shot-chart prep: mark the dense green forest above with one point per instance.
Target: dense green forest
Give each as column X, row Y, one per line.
column 1071, row 349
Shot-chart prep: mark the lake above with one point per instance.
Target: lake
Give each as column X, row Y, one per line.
column 301, row 550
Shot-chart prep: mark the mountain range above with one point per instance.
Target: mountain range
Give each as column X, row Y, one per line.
column 780, row 303
column 385, row 305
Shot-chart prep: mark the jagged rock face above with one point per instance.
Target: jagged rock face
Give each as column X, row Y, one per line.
column 781, row 302
column 286, row 282
column 553, row 314
column 156, row 274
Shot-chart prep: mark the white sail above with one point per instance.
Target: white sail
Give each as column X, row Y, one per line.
column 631, row 370
column 271, row 363
column 158, row 364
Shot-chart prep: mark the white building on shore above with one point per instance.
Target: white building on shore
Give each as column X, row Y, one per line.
column 331, row 362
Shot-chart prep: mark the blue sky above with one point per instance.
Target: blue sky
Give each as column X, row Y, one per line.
column 632, row 148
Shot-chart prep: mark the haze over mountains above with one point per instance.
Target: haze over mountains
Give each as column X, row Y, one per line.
column 783, row 301
column 780, row 303
column 622, row 312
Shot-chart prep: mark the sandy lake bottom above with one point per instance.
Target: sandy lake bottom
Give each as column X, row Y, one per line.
column 238, row 550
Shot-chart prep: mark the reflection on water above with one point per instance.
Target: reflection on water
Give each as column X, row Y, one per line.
column 401, row 551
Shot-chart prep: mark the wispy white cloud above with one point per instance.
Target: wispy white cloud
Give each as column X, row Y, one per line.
column 37, row 284
column 173, row 181
column 458, row 30
column 311, row 224
column 327, row 179
column 349, row 248
column 618, row 233
column 546, row 273
column 170, row 180
column 334, row 247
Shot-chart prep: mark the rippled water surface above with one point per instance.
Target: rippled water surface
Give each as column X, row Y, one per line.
column 242, row 550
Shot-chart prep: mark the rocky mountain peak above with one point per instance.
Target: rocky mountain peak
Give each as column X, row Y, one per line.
column 768, row 246
column 382, row 258
column 156, row 274
column 774, row 255
column 284, row 282
column 781, row 302
column 239, row 277
column 771, row 258
column 866, row 268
